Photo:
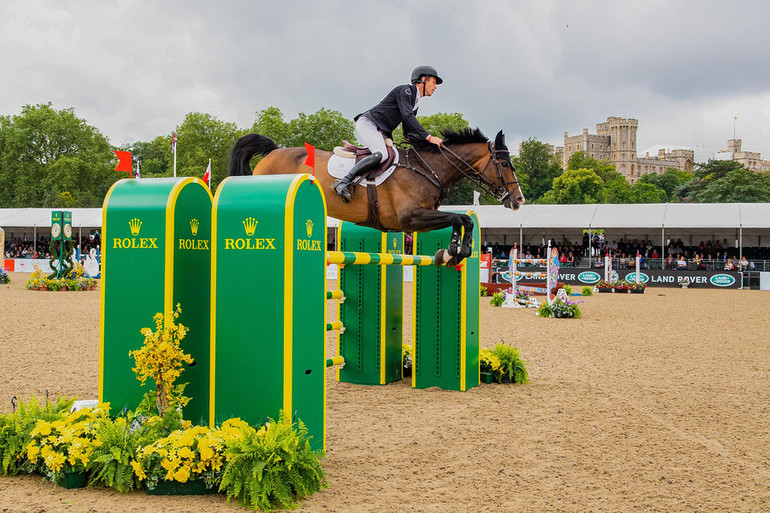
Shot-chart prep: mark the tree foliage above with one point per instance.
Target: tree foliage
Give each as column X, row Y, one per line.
column 576, row 186
column 604, row 168
column 536, row 169
column 51, row 158
column 324, row 129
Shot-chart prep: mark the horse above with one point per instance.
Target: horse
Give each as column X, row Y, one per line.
column 408, row 200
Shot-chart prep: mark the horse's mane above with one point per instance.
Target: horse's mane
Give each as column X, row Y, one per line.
column 450, row 137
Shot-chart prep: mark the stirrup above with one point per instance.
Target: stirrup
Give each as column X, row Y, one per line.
column 343, row 190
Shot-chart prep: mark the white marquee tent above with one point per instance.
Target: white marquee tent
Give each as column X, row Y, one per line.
column 742, row 224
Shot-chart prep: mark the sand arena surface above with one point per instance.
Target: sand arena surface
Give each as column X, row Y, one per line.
column 655, row 402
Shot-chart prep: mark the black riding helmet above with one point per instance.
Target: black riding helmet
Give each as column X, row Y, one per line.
column 425, row 70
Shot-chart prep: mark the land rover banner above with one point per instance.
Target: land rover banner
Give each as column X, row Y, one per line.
column 657, row 278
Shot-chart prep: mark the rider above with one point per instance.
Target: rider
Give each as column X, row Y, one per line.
column 377, row 123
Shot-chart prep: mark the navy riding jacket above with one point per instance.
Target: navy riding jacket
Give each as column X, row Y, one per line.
column 399, row 106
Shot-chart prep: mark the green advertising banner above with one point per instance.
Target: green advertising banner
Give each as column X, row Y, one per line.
column 268, row 335
column 156, row 253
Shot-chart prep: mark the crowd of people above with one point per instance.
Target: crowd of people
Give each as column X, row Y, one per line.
column 712, row 255
column 21, row 248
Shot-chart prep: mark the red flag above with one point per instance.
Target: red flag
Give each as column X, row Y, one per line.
column 310, row 161
column 207, row 175
column 124, row 161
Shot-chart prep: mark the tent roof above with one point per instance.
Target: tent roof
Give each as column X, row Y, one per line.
column 645, row 215
column 32, row 217
column 604, row 216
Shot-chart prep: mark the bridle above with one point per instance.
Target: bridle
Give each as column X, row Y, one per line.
column 498, row 190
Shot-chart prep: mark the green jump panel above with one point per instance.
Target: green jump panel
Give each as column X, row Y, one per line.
column 372, row 312
column 268, row 301
column 445, row 316
column 155, row 253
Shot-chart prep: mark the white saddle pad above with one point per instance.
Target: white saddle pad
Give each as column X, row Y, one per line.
column 340, row 166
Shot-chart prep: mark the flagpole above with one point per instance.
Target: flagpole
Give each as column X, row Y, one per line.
column 174, row 159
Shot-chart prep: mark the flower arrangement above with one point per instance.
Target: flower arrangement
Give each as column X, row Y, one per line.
column 4, row 276
column 64, row 444
column 637, row 286
column 161, row 359
column 75, row 280
column 604, row 284
column 184, row 455
column 36, row 280
column 621, row 285
column 488, row 361
column 560, row 308
column 406, row 358
column 512, row 369
column 266, row 467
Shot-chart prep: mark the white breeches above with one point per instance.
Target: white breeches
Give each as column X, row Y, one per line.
column 368, row 135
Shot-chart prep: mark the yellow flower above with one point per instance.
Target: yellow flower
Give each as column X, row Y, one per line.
column 206, row 452
column 32, row 452
column 55, row 461
column 42, row 428
column 138, row 470
column 186, row 453
column 183, row 474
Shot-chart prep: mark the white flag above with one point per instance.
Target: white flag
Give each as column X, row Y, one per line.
column 476, row 196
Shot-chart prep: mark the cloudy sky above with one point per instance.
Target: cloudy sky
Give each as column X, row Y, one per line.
column 535, row 68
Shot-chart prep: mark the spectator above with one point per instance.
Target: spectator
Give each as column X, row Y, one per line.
column 681, row 263
column 729, row 266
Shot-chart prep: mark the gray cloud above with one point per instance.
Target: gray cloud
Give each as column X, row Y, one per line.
column 533, row 69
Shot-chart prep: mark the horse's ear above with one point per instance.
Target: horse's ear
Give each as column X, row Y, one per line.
column 500, row 139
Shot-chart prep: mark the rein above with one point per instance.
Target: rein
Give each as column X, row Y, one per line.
column 498, row 191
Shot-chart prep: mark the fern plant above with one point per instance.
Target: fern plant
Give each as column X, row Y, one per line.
column 272, row 467
column 16, row 427
column 512, row 367
column 497, row 299
column 587, row 291
column 112, row 462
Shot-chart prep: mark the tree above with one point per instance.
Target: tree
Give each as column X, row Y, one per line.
column 737, row 186
column 202, row 137
column 604, row 168
column 536, row 168
column 324, row 129
column 647, row 193
column 704, row 175
column 669, row 181
column 618, row 190
column 576, row 186
column 52, row 158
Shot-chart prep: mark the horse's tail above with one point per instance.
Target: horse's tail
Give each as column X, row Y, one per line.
column 245, row 148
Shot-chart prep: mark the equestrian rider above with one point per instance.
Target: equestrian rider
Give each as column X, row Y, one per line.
column 376, row 124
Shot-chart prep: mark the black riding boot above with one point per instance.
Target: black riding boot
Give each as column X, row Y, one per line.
column 344, row 186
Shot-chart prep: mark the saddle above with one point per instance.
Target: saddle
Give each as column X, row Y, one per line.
column 351, row 151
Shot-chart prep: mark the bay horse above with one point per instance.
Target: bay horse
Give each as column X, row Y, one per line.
column 409, row 199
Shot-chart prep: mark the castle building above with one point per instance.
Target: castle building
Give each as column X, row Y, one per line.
column 750, row 160
column 615, row 140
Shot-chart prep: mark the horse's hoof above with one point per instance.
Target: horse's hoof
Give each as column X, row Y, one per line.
column 455, row 261
column 441, row 257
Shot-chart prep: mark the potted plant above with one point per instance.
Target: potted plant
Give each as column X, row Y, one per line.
column 4, row 279
column 604, row 286
column 406, row 358
column 512, row 368
column 497, row 299
column 637, row 288
column 587, row 291
column 61, row 449
column 489, row 364
column 621, row 286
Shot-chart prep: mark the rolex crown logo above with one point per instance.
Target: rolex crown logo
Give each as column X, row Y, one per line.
column 135, row 224
column 194, row 226
column 250, row 225
column 309, row 227
column 395, row 242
